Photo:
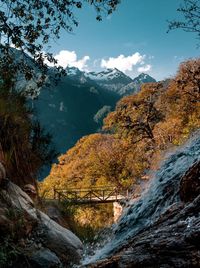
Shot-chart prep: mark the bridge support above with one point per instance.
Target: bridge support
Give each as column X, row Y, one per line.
column 117, row 211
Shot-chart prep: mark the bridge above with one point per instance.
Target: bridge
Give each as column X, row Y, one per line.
column 94, row 195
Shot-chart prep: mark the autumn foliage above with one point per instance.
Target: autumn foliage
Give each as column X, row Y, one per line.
column 136, row 135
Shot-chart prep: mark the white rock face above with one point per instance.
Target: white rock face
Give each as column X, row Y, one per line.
column 117, row 211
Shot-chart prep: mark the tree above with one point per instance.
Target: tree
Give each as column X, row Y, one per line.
column 136, row 116
column 190, row 9
column 28, row 25
column 24, row 146
column 95, row 160
column 188, row 79
column 142, row 127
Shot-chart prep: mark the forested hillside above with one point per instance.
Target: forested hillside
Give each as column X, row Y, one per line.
column 77, row 104
column 136, row 135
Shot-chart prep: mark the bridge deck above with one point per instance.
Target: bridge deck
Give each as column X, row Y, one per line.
column 90, row 196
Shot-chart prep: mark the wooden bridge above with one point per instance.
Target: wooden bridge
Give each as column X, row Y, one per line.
column 93, row 195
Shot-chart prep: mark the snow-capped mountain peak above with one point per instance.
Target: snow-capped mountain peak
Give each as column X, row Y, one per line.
column 143, row 78
column 108, row 74
column 110, row 79
column 72, row 71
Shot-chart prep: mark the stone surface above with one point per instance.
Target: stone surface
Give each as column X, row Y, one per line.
column 162, row 228
column 173, row 241
column 117, row 211
column 190, row 183
column 44, row 258
column 2, row 172
column 43, row 231
column 60, row 240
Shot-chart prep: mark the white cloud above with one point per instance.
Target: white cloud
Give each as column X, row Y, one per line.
column 144, row 68
column 69, row 58
column 123, row 63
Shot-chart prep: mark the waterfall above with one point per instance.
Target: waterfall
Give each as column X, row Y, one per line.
column 162, row 193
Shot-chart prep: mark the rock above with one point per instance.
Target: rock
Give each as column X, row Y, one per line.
column 53, row 211
column 162, row 228
column 117, row 211
column 172, row 242
column 44, row 258
column 2, row 172
column 190, row 183
column 30, row 190
column 60, row 240
column 54, row 237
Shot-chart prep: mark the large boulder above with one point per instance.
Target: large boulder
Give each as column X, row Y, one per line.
column 44, row 258
column 44, row 233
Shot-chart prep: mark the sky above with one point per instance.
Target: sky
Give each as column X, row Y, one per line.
column 133, row 39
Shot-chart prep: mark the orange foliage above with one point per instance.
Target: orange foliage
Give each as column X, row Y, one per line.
column 142, row 127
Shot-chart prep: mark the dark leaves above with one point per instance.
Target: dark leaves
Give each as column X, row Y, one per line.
column 29, row 24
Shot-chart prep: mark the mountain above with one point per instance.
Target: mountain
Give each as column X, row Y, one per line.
column 110, row 79
column 135, row 85
column 73, row 108
column 77, row 105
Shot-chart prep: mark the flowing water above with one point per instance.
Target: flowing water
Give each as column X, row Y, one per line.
column 160, row 195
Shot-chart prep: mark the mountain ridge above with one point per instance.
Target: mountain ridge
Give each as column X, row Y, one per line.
column 111, row 79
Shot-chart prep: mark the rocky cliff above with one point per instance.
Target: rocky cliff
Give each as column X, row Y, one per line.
column 37, row 240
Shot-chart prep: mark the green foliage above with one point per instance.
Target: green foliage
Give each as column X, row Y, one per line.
column 29, row 25
column 24, row 145
column 86, row 220
column 8, row 253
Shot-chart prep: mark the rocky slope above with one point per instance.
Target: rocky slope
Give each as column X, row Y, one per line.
column 37, row 240
column 161, row 229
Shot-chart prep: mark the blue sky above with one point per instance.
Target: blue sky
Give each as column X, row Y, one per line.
column 136, row 31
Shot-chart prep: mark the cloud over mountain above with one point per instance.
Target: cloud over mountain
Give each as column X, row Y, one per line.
column 123, row 63
column 131, row 64
column 144, row 68
column 69, row 58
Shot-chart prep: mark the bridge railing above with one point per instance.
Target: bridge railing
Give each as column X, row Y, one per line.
column 91, row 195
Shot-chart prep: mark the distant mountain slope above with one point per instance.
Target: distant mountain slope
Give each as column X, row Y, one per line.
column 68, row 110
column 77, row 105
column 111, row 79
column 135, row 85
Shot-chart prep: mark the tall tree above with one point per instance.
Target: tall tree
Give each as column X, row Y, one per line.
column 136, row 116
